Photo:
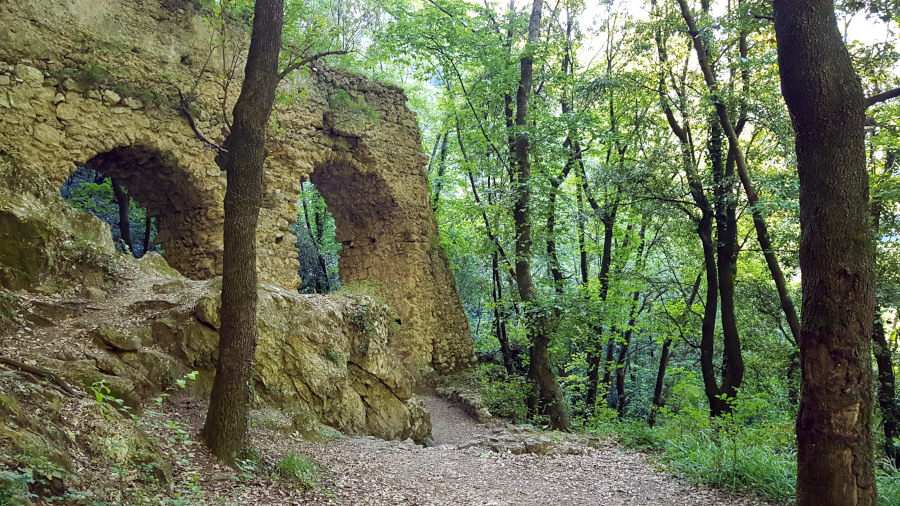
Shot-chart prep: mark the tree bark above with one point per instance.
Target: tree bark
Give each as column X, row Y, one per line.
column 225, row 429
column 825, row 98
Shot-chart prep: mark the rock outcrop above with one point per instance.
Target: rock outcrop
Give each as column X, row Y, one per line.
column 93, row 83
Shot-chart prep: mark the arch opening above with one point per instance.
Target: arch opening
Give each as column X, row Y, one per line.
column 188, row 231
column 90, row 191
column 317, row 249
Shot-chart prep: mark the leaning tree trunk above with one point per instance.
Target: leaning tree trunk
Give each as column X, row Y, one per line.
column 225, row 430
column 826, row 102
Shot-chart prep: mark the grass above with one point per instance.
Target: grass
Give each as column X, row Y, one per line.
column 299, row 469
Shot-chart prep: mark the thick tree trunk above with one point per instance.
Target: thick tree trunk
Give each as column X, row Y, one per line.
column 225, row 430
column 124, row 203
column 827, row 106
column 548, row 396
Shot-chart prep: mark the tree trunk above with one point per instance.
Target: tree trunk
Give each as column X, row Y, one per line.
column 658, row 398
column 323, row 285
column 887, row 399
column 148, row 227
column 500, row 314
column 824, row 96
column 547, row 396
column 225, row 430
column 124, row 203
column 595, row 348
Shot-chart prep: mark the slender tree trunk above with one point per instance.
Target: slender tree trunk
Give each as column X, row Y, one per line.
column 148, row 227
column 323, row 285
column 887, row 398
column 595, row 348
column 732, row 131
column 225, row 429
column 658, row 398
column 500, row 314
column 442, row 167
column 124, row 202
column 825, row 98
column 732, row 359
column 539, row 323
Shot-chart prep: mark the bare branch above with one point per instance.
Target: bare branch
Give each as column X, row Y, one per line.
column 309, row 59
column 881, row 97
column 184, row 106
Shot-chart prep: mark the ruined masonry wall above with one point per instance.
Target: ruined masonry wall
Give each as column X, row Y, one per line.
column 88, row 82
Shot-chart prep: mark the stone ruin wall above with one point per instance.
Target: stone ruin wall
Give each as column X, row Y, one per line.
column 363, row 154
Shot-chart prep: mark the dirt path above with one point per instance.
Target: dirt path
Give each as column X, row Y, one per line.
column 462, row 469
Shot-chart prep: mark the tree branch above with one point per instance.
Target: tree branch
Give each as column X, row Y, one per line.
column 184, row 106
column 881, row 97
column 309, row 59
column 40, row 371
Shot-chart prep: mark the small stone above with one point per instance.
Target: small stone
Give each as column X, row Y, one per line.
column 94, row 293
column 50, row 81
column 132, row 103
column 71, row 85
column 4, row 102
column 94, row 94
column 111, row 97
column 66, row 112
column 46, row 134
column 120, row 110
column 59, row 98
column 4, row 80
column 30, row 75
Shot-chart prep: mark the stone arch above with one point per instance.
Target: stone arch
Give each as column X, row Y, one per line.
column 156, row 179
column 353, row 136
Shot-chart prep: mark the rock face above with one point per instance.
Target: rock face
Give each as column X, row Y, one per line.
column 325, row 355
column 88, row 83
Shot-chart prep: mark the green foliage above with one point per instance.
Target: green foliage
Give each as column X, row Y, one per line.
column 14, row 487
column 503, row 394
column 341, row 100
column 298, row 469
column 106, row 403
